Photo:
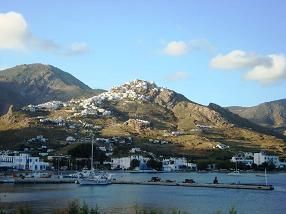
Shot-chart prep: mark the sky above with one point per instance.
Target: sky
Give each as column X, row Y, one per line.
column 220, row 51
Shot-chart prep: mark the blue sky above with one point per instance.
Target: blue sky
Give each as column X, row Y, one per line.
column 226, row 52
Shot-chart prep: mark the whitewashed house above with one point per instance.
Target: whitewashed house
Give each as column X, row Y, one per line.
column 134, row 150
column 70, row 139
column 120, row 163
column 243, row 158
column 174, row 164
column 102, row 148
column 125, row 162
column 22, row 162
column 221, row 146
column 261, row 157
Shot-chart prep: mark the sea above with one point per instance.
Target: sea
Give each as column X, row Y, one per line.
column 116, row 198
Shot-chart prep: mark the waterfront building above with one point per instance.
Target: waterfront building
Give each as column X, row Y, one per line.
column 125, row 162
column 120, row 163
column 261, row 157
column 22, row 162
column 175, row 164
column 243, row 158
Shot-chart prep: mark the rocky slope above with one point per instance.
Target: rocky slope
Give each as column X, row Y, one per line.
column 144, row 110
column 271, row 114
column 38, row 83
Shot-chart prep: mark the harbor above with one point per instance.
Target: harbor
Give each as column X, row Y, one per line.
column 164, row 195
column 200, row 185
column 56, row 179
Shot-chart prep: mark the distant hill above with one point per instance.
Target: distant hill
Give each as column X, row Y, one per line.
column 271, row 114
column 38, row 83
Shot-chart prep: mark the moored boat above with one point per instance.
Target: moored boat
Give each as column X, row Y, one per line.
column 93, row 177
column 234, row 173
column 96, row 178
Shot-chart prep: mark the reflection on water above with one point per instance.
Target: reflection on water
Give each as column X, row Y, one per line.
column 124, row 198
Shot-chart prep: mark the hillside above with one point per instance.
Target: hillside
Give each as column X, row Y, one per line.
column 270, row 114
column 38, row 83
column 147, row 113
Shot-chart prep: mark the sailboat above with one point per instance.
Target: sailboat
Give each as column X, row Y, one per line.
column 236, row 172
column 93, row 177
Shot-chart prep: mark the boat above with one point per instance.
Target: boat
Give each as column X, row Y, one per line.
column 92, row 176
column 145, row 171
column 96, row 178
column 234, row 173
column 7, row 179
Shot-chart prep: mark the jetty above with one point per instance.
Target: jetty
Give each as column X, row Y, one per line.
column 57, row 180
column 38, row 180
column 201, row 185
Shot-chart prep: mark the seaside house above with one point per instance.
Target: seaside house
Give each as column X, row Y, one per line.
column 243, row 158
column 261, row 157
column 120, row 163
column 134, row 150
column 22, row 162
column 175, row 164
column 70, row 139
column 125, row 162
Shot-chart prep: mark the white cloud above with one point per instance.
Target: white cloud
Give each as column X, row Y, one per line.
column 269, row 74
column 176, row 48
column 16, row 35
column 264, row 69
column 77, row 48
column 179, row 48
column 238, row 59
column 14, row 31
column 179, row 75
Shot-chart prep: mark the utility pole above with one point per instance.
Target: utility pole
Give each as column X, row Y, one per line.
column 91, row 161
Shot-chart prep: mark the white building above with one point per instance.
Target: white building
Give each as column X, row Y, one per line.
column 70, row 139
column 120, row 163
column 174, row 164
column 260, row 158
column 125, row 162
column 134, row 150
column 22, row 162
column 102, row 148
column 243, row 158
column 221, row 146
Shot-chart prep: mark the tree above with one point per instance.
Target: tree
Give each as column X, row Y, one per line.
column 203, row 164
column 134, row 163
column 84, row 151
column 154, row 164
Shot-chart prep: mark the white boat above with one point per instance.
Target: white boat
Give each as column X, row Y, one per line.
column 234, row 173
column 93, row 177
column 7, row 180
column 96, row 178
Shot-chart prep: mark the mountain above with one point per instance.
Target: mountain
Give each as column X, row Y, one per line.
column 38, row 83
column 147, row 113
column 270, row 114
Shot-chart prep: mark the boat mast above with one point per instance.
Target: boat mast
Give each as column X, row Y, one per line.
column 236, row 172
column 91, row 161
column 266, row 183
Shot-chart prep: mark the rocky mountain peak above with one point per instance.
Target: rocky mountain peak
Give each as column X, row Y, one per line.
column 143, row 90
column 38, row 83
